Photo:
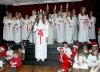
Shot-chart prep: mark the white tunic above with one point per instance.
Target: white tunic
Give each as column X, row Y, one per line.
column 90, row 60
column 41, row 44
column 26, row 30
column 1, row 63
column 82, row 65
column 4, row 28
column 17, row 31
column 10, row 53
column 54, row 16
column 64, row 15
column 69, row 30
column 83, row 28
column 10, row 30
column 33, row 19
column 91, row 31
column 68, row 51
column 60, row 29
column 75, row 28
column 50, row 29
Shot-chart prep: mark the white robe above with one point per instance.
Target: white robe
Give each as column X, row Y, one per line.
column 4, row 28
column 64, row 15
column 33, row 19
column 17, row 31
column 68, row 51
column 54, row 16
column 83, row 28
column 41, row 44
column 75, row 29
column 1, row 63
column 50, row 31
column 91, row 31
column 90, row 60
column 10, row 30
column 10, row 53
column 60, row 30
column 26, row 30
column 82, row 65
column 69, row 30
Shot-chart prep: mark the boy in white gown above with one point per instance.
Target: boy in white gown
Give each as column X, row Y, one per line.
column 80, row 61
column 54, row 16
column 33, row 19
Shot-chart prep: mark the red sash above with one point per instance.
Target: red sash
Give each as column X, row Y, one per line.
column 50, row 24
column 16, row 30
column 40, row 33
column 85, row 23
column 59, row 27
column 27, row 28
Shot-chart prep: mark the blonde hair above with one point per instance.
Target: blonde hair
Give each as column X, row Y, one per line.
column 58, row 14
column 68, row 16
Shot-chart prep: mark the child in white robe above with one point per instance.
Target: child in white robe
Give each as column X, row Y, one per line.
column 80, row 61
column 69, row 28
column 9, row 53
column 50, row 28
column 17, row 29
column 93, row 59
column 60, row 28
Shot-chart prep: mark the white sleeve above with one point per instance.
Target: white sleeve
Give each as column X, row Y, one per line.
column 4, row 20
column 89, row 58
column 75, row 59
column 69, row 52
column 46, row 29
column 35, row 27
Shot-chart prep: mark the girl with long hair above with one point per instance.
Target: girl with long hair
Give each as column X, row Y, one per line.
column 41, row 28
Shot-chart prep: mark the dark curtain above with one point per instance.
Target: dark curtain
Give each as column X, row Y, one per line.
column 26, row 9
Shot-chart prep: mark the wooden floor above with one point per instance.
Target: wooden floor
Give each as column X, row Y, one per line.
column 29, row 68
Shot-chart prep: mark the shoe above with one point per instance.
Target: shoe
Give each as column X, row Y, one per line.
column 12, row 69
column 42, row 60
column 1, row 68
column 38, row 60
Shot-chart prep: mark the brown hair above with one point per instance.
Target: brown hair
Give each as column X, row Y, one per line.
column 70, row 15
column 58, row 15
column 80, row 52
column 89, row 14
column 81, row 11
column 93, row 52
column 16, row 53
column 43, row 21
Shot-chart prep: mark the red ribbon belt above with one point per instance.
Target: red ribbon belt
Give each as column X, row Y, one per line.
column 9, row 27
column 27, row 28
column 16, row 30
column 91, row 23
column 85, row 23
column 59, row 26
column 50, row 24
column 40, row 33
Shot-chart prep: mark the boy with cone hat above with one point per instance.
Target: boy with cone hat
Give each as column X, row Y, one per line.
column 64, row 59
column 74, row 51
column 99, row 36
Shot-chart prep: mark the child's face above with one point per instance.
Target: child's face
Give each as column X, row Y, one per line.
column 74, row 48
column 65, row 45
column 95, row 47
column 15, row 55
column 84, row 48
column 19, row 50
column 61, row 52
column 23, row 47
column 9, row 48
column 95, row 52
